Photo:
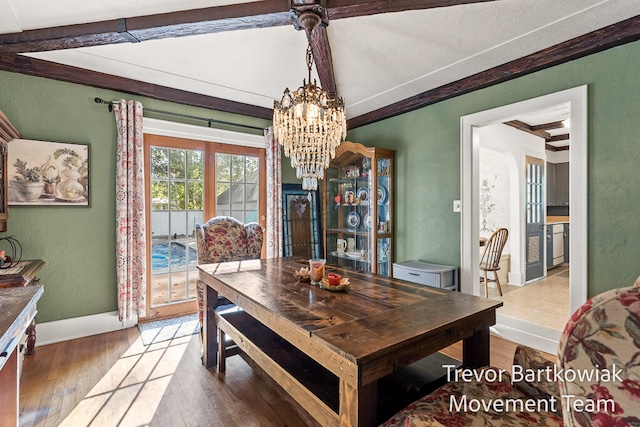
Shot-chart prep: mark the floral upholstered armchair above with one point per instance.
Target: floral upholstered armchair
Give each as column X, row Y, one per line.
column 603, row 337
column 435, row 409
column 224, row 239
column 598, row 380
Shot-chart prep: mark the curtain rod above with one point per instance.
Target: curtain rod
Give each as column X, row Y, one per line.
column 186, row 116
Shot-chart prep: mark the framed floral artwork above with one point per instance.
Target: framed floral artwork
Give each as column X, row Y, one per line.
column 42, row 173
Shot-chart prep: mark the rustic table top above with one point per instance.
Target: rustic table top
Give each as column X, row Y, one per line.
column 375, row 314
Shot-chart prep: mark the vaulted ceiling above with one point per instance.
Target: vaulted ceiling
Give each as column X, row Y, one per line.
column 383, row 57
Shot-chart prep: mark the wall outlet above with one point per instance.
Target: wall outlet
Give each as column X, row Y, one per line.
column 456, row 205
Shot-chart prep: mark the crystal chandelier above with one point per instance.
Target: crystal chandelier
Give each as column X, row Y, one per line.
column 309, row 124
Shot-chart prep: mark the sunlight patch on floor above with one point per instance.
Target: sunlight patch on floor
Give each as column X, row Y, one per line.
column 130, row 393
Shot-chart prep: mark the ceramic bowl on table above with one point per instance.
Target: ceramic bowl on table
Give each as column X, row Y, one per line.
column 344, row 284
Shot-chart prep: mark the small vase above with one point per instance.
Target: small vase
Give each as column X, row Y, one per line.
column 49, row 190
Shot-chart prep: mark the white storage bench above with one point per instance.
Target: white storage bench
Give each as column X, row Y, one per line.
column 424, row 273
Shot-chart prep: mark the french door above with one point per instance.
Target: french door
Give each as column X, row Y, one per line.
column 188, row 182
column 534, row 217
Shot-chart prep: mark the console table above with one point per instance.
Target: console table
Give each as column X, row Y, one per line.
column 23, row 274
column 17, row 311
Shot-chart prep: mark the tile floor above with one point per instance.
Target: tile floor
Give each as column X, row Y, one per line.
column 545, row 302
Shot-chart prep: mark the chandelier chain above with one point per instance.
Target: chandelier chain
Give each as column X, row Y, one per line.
column 309, row 60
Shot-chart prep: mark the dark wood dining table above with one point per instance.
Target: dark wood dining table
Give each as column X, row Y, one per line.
column 359, row 335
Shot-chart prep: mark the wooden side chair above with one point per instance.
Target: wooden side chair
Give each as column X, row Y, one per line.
column 490, row 260
column 223, row 239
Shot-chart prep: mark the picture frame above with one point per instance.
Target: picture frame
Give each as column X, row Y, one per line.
column 42, row 173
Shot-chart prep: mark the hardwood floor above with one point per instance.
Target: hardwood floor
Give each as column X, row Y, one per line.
column 113, row 380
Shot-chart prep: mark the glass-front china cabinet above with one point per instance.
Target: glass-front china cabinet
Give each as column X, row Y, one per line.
column 358, row 208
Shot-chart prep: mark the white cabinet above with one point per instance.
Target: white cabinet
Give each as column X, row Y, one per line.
column 424, row 273
column 556, row 245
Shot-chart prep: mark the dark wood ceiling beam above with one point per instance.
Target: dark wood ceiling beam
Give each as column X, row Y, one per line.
column 51, row 70
column 558, row 138
column 174, row 25
column 520, row 125
column 322, row 57
column 309, row 16
column 339, row 9
column 554, row 148
column 538, row 130
column 605, row 38
column 548, row 126
column 257, row 14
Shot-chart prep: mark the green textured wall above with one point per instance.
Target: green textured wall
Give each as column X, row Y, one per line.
column 78, row 244
column 427, row 142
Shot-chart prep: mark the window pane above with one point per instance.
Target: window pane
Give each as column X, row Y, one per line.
column 251, row 216
column 252, row 170
column 237, row 168
column 239, row 215
column 178, row 225
column 237, row 186
column 177, row 164
column 237, row 196
column 159, row 163
column 159, row 225
column 195, row 163
column 223, row 200
column 159, row 195
column 223, row 168
column 177, row 196
column 195, row 196
column 193, row 218
column 252, row 192
column 160, row 257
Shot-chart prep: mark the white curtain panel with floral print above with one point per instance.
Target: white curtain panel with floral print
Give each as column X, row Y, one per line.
column 274, row 195
column 130, row 212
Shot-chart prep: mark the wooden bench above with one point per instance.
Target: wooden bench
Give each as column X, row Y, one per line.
column 311, row 386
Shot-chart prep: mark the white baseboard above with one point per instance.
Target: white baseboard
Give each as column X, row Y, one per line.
column 529, row 334
column 79, row 327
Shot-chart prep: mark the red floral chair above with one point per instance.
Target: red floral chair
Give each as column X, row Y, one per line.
column 224, row 239
column 435, row 410
column 603, row 336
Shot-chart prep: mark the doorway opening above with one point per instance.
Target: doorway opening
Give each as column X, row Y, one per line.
column 532, row 334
